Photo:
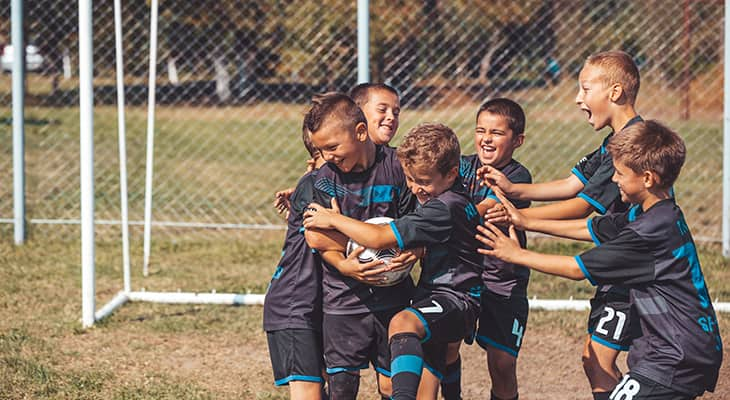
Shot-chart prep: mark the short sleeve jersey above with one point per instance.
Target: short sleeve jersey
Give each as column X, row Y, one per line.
column 654, row 255
column 500, row 277
column 595, row 171
column 379, row 191
column 294, row 297
column 446, row 226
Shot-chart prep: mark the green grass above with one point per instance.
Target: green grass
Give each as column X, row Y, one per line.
column 186, row 351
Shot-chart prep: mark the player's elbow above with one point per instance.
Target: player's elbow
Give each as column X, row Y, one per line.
column 315, row 240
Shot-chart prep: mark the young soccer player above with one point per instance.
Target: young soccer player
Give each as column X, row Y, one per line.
column 293, row 303
column 649, row 249
column 446, row 302
column 608, row 86
column 367, row 181
column 500, row 127
column 381, row 105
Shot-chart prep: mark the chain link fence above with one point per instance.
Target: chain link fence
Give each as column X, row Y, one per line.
column 234, row 78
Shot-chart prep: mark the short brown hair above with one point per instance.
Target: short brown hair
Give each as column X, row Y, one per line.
column 307, row 140
column 650, row 146
column 331, row 105
column 618, row 67
column 360, row 94
column 432, row 145
column 508, row 109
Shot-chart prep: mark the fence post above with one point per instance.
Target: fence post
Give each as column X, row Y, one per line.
column 18, row 121
column 363, row 41
column 726, row 138
column 86, row 134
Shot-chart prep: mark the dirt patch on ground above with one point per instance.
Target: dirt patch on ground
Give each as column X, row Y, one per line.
column 236, row 365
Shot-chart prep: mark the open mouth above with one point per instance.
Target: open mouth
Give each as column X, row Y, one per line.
column 589, row 114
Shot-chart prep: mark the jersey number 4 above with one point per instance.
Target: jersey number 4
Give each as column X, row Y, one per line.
column 610, row 314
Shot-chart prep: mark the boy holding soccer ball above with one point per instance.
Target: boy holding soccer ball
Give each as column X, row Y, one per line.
column 446, row 302
column 365, row 180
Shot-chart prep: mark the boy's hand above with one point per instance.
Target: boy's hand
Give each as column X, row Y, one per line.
column 316, row 216
column 406, row 257
column 492, row 177
column 364, row 272
column 281, row 201
column 505, row 213
column 500, row 246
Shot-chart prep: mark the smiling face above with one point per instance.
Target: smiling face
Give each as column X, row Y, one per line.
column 338, row 146
column 494, row 140
column 631, row 185
column 382, row 111
column 594, row 96
column 426, row 182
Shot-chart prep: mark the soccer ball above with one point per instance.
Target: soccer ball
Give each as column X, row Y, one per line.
column 390, row 278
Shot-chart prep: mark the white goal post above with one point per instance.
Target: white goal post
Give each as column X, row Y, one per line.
column 89, row 313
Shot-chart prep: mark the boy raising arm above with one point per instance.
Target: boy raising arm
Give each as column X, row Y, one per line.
column 608, row 86
column 649, row 249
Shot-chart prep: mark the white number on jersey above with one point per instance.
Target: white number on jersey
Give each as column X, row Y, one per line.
column 610, row 313
column 626, row 389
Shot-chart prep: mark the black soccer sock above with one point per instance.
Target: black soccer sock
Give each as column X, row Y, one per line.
column 343, row 386
column 493, row 397
column 601, row 395
column 451, row 384
column 406, row 364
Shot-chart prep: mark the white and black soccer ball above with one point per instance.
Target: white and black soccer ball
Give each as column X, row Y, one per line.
column 390, row 278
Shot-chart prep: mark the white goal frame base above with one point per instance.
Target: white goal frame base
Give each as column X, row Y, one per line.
column 232, row 299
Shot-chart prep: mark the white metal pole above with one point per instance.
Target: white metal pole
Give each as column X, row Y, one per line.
column 86, row 110
column 18, row 121
column 122, row 144
column 363, row 41
column 150, row 137
column 726, row 140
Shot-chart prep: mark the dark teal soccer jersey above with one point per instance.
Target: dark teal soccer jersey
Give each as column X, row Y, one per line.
column 294, row 297
column 446, row 226
column 379, row 191
column 653, row 254
column 505, row 279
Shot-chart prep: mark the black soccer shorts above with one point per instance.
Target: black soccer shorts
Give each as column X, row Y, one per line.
column 446, row 318
column 636, row 387
column 296, row 355
column 353, row 341
column 612, row 322
column 502, row 322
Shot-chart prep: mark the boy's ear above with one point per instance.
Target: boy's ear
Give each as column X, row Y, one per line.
column 361, row 131
column 617, row 91
column 518, row 140
column 650, row 179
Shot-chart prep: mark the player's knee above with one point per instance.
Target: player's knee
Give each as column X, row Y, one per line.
column 503, row 366
column 344, row 386
column 404, row 321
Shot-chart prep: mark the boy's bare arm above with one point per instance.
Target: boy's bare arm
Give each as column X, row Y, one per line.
column 508, row 249
column 485, row 205
column 368, row 273
column 545, row 191
column 326, row 240
column 574, row 208
column 369, row 235
column 572, row 228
